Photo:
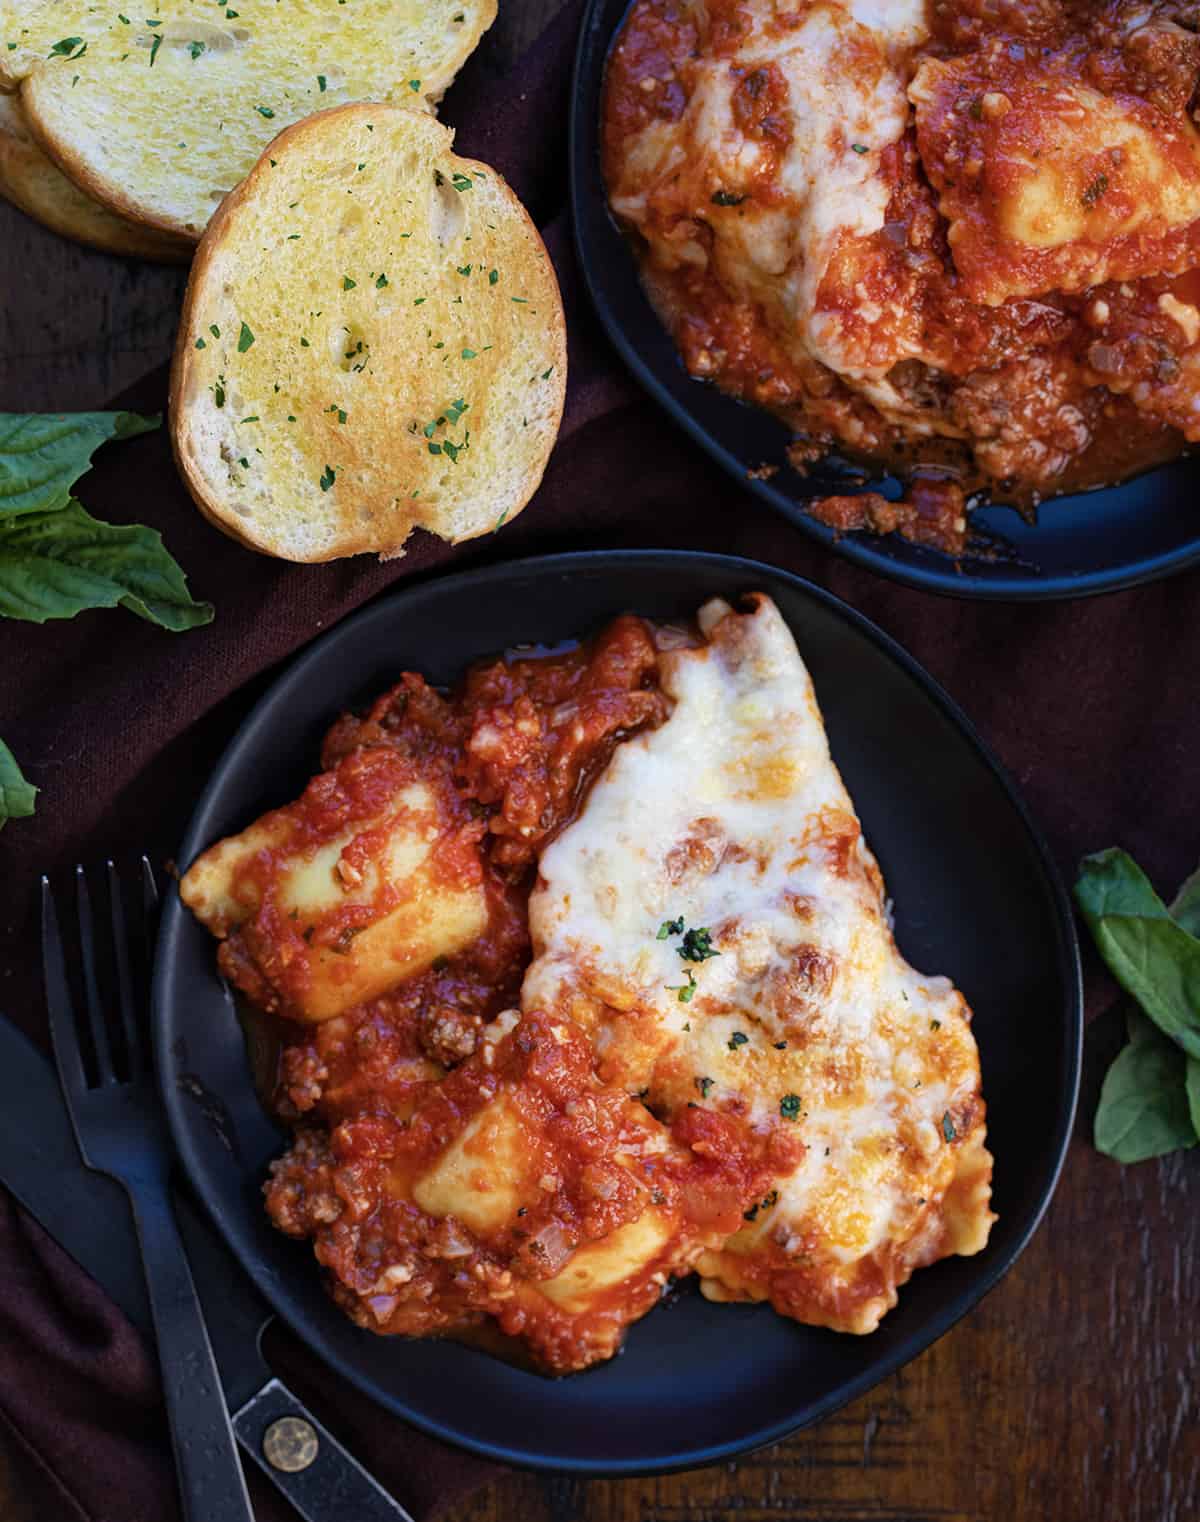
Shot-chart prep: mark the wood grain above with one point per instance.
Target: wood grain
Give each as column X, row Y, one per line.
column 1072, row 1394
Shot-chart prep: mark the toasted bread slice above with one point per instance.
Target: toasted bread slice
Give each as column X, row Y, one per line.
column 159, row 118
column 40, row 189
column 372, row 340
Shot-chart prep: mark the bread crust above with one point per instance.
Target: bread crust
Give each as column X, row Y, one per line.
column 37, row 186
column 122, row 198
column 103, row 191
column 215, row 246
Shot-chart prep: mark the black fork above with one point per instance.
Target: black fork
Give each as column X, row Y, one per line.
column 118, row 1121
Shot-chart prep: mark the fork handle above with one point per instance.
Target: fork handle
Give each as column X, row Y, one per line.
column 211, row 1484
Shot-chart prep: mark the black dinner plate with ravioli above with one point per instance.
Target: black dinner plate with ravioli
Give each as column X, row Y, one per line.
column 1096, row 541
column 975, row 897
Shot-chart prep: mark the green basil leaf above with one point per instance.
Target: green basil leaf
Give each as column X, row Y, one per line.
column 1143, row 1109
column 1185, row 910
column 43, row 454
column 1152, row 957
column 57, row 564
column 16, row 795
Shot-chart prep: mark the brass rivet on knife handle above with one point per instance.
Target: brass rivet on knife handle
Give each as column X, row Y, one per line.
column 290, row 1444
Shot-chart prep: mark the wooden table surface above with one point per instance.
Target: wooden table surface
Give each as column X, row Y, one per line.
column 1072, row 1394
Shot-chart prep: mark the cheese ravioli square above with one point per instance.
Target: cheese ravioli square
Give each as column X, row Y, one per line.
column 360, row 883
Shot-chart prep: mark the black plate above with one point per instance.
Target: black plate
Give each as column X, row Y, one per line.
column 1083, row 544
column 976, row 898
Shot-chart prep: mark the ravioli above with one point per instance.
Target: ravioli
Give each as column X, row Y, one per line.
column 719, row 1063
column 715, row 923
column 1049, row 184
column 363, row 881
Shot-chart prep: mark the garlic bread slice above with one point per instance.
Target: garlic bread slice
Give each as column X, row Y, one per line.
column 372, row 341
column 159, row 115
column 39, row 188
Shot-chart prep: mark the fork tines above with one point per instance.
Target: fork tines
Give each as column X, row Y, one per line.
column 105, row 1043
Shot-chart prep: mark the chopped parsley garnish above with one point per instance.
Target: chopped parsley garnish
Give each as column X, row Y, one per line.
column 195, row 49
column 214, row 330
column 935, row 1025
column 859, row 148
column 781, row 1046
column 414, row 85
column 789, row 1107
column 341, row 412
column 468, row 354
column 1093, row 192
column 764, row 1204
column 245, row 339
column 218, row 391
column 154, row 47
column 670, row 927
column 684, row 990
column 381, row 282
column 321, row 83
column 327, row 478
column 705, row 1086
column 463, row 269
column 265, row 111
column 493, row 276
column 447, row 446
column 948, row 1130
column 200, row 344
column 461, row 182
column 726, row 198
column 65, row 48
column 347, row 283
column 697, row 946
column 739, row 1038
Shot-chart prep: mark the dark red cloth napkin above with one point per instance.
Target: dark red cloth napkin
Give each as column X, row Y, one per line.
column 1090, row 705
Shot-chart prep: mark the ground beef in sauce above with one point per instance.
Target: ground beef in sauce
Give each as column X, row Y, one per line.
column 1047, row 391
column 523, row 736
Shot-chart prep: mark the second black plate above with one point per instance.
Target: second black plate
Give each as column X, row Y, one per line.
column 1080, row 545
column 976, row 898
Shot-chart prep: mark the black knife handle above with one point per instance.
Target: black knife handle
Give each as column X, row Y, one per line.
column 211, row 1484
column 331, row 1484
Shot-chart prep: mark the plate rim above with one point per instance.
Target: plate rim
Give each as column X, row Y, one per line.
column 590, row 61
column 174, row 921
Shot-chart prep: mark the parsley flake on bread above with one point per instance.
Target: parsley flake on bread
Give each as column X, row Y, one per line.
column 372, row 341
column 158, row 116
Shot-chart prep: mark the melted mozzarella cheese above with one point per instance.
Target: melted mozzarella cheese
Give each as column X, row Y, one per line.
column 732, row 817
column 844, row 66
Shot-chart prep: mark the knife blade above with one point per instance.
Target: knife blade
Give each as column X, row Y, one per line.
column 88, row 1216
